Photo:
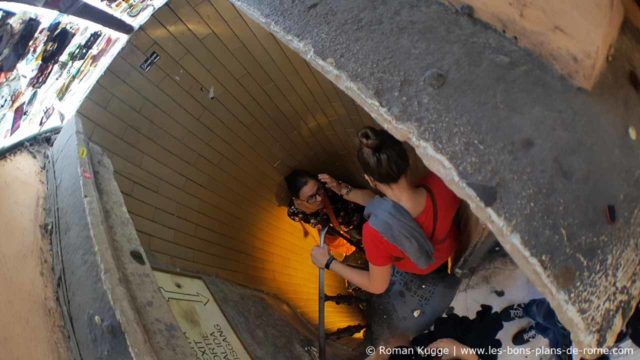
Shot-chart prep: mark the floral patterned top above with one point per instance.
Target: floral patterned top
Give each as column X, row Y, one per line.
column 349, row 215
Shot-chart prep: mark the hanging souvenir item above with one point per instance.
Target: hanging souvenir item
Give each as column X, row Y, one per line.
column 88, row 45
column 17, row 48
column 57, row 41
column 17, row 118
column 139, row 7
column 134, row 12
column 6, row 30
column 104, row 49
column 6, row 36
column 30, row 103
column 35, row 47
column 8, row 90
column 16, row 97
column 46, row 114
column 79, row 53
column 79, row 73
column 56, row 45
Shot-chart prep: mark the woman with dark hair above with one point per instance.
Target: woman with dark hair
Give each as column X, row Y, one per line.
column 409, row 241
column 312, row 205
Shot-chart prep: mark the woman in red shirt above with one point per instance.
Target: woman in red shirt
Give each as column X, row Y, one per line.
column 409, row 240
column 430, row 204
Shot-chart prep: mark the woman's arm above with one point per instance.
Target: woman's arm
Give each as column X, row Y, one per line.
column 358, row 196
column 375, row 281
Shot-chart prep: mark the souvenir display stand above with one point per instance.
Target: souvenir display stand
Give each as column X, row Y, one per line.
column 50, row 60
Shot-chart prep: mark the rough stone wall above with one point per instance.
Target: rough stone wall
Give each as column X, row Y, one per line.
column 537, row 159
column 108, row 295
column 201, row 177
column 31, row 323
column 574, row 36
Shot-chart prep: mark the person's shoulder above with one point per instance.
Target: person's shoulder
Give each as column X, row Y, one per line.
column 434, row 182
column 429, row 178
column 375, row 246
column 371, row 233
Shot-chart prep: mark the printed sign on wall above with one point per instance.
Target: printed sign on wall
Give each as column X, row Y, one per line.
column 202, row 322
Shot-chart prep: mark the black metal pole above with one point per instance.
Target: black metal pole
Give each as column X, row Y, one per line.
column 321, row 332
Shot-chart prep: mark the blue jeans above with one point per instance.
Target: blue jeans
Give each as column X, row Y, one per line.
column 546, row 323
column 393, row 313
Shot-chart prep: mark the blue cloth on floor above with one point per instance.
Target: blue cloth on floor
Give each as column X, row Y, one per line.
column 546, row 323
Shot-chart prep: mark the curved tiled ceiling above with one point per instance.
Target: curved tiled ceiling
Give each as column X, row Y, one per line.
column 200, row 176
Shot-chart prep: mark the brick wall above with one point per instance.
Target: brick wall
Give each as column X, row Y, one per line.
column 200, row 177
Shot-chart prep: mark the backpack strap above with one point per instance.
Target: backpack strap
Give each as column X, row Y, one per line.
column 329, row 209
column 435, row 223
column 435, row 210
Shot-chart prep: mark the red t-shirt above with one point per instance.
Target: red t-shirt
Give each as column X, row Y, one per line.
column 380, row 252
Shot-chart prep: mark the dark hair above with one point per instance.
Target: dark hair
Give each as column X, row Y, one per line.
column 382, row 156
column 296, row 180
